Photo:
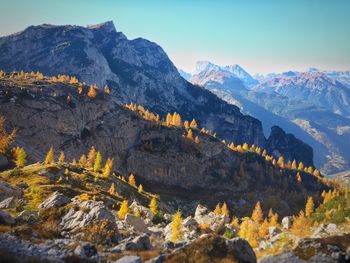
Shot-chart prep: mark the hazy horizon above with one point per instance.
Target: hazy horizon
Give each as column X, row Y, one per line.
column 261, row 36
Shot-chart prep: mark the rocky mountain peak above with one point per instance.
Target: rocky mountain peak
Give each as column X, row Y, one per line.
column 106, row 26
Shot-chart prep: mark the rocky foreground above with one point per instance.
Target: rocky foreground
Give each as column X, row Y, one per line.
column 51, row 215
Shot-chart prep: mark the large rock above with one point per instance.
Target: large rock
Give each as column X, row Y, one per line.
column 213, row 248
column 210, row 219
column 241, row 249
column 74, row 219
column 8, row 203
column 129, row 259
column 27, row 217
column 136, row 222
column 85, row 250
column 287, row 222
column 7, row 190
column 6, row 219
column 55, row 200
column 141, row 242
column 144, row 211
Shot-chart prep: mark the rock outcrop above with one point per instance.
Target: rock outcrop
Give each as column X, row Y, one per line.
column 55, row 200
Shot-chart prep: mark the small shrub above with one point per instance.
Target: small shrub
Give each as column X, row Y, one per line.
column 229, row 233
column 15, row 172
column 101, row 232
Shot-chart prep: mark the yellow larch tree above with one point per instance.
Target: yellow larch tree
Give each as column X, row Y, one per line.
column 196, row 140
column 218, row 210
column 231, row 146
column 92, row 91
column 140, row 189
column 20, row 157
column 225, row 211
column 123, row 210
column 264, row 229
column 235, row 222
column 294, row 165
column 190, row 134
column 280, row 162
column 301, row 166
column 245, row 147
column 176, row 227
column 83, row 160
column 309, row 207
column 298, row 178
column 257, row 215
column 91, row 157
column 106, row 89
column 61, row 157
column 186, row 125
column 132, row 180
column 50, row 156
column 108, row 168
column 193, row 124
column 169, row 119
column 153, row 206
column 300, row 225
column 111, row 190
column 98, row 162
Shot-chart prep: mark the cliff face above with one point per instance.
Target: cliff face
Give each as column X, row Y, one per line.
column 280, row 143
column 160, row 157
column 136, row 71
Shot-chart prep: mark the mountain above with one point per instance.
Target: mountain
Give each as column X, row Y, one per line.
column 313, row 87
column 341, row 76
column 310, row 105
column 181, row 171
column 231, row 70
column 184, row 74
column 136, row 70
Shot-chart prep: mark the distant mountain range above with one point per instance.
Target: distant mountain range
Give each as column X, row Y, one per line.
column 313, row 105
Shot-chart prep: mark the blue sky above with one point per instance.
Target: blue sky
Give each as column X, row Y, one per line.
column 262, row 36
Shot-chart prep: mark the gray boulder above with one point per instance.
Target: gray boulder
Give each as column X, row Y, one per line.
column 85, row 250
column 75, row 219
column 241, row 249
column 287, row 222
column 7, row 190
column 288, row 257
column 144, row 211
column 213, row 221
column 190, row 223
column 27, row 217
column 141, row 242
column 6, row 219
column 136, row 222
column 129, row 259
column 55, row 200
column 8, row 203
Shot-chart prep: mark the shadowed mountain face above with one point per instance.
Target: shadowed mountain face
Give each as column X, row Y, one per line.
column 160, row 157
column 311, row 105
